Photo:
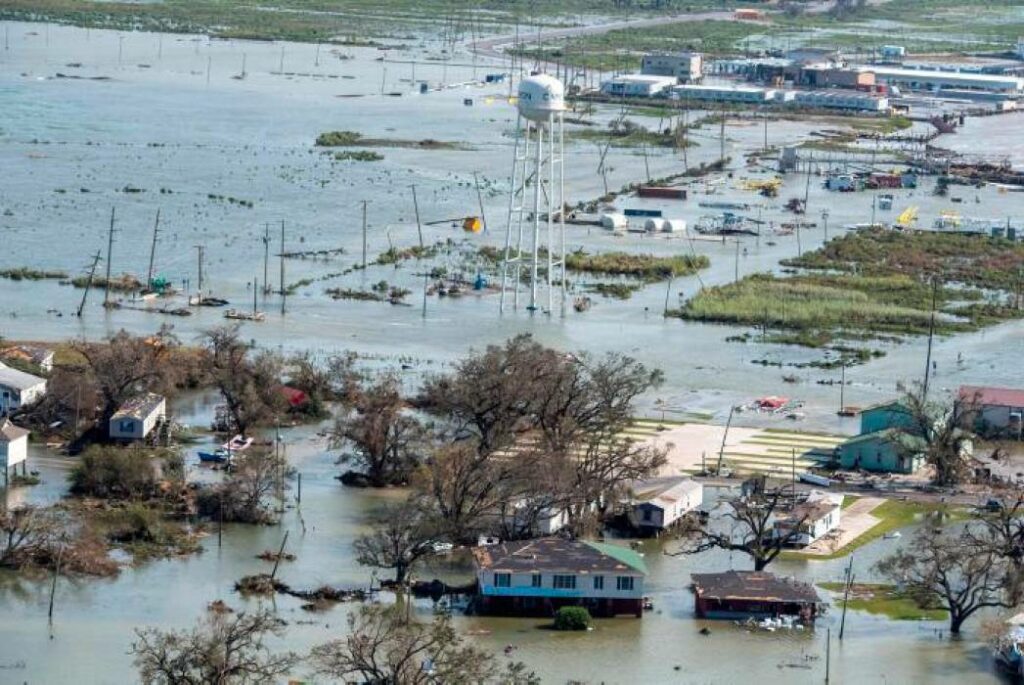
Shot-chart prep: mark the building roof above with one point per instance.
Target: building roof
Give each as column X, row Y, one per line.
column 1000, row 397
column 663, row 492
column 9, row 432
column 556, row 554
column 19, row 380
column 894, row 435
column 932, row 75
column 642, row 78
column 139, row 407
column 753, row 585
column 808, row 512
column 30, row 353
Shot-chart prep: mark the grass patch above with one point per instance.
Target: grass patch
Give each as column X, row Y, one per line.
column 627, row 133
column 23, row 273
column 648, row 268
column 358, row 156
column 892, row 515
column 354, row 139
column 618, row 291
column 885, row 600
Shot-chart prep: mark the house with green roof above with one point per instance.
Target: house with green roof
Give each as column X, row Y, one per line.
column 538, row 577
column 890, row 450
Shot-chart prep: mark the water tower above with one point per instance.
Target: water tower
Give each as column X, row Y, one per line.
column 537, row 161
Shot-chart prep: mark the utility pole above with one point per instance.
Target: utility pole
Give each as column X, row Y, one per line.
column 152, row 250
column 842, row 388
column 266, row 258
column 283, row 295
column 846, row 597
column 931, row 336
column 721, row 140
column 480, row 200
column 364, row 235
column 199, row 250
column 824, row 220
column 737, row 260
column 419, row 230
column 88, row 283
column 725, row 436
column 110, row 250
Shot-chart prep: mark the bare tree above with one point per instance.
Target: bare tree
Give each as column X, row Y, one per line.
column 249, row 382
column 401, row 538
column 125, row 365
column 27, row 533
column 937, row 432
column 1002, row 532
column 386, row 440
column 245, row 497
column 224, row 649
column 749, row 528
column 384, row 647
column 949, row 570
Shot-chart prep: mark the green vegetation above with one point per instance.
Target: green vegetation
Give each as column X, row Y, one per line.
column 619, row 291
column 23, row 273
column 885, row 600
column 144, row 532
column 350, row 22
column 394, row 255
column 572, row 618
column 978, row 261
column 626, row 133
column 358, row 156
column 874, row 285
column 648, row 268
column 354, row 139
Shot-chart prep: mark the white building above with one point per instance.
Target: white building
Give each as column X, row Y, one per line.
column 686, row 67
column 660, row 502
column 13, row 447
column 815, row 518
column 637, row 85
column 528, row 518
column 138, row 417
column 741, row 94
column 933, row 80
column 840, row 99
column 19, row 389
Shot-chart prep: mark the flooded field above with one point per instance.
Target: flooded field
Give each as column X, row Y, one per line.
column 142, row 122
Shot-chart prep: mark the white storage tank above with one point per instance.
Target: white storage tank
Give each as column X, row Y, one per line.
column 540, row 96
column 654, row 225
column 613, row 221
column 673, row 226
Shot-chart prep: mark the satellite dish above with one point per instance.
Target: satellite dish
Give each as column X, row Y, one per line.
column 540, row 96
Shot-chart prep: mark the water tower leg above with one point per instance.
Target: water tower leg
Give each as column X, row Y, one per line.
column 534, row 266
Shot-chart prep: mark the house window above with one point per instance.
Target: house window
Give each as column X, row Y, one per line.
column 502, row 580
column 563, row 582
column 624, row 583
column 598, row 582
column 537, row 580
column 647, row 514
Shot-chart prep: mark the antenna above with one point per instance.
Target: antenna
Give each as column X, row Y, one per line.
column 541, row 106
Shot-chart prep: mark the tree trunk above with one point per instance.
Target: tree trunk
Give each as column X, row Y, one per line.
column 401, row 570
column 760, row 563
column 955, row 621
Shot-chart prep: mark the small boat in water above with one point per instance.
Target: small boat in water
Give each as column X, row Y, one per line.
column 219, row 456
column 237, row 444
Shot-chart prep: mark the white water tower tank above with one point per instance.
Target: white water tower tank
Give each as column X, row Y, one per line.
column 539, row 96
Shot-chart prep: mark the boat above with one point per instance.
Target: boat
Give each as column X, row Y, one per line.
column 237, row 444
column 894, row 535
column 218, row 456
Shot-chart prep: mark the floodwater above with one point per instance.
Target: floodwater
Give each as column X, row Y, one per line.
column 172, row 117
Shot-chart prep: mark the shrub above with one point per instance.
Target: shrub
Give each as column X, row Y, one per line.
column 113, row 473
column 572, row 618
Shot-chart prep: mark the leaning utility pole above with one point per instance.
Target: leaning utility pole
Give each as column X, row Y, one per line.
column 88, row 283
column 364, row 235
column 283, row 295
column 110, row 249
column 152, row 251
column 199, row 250
column 931, row 336
column 480, row 199
column 419, row 230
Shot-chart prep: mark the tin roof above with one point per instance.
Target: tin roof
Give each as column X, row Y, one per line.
column 556, row 554
column 753, row 585
column 1000, row 397
column 19, row 380
column 139, row 407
